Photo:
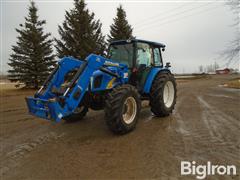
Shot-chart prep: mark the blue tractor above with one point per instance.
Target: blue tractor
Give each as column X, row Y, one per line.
column 133, row 71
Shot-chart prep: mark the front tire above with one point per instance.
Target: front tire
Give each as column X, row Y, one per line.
column 163, row 94
column 122, row 109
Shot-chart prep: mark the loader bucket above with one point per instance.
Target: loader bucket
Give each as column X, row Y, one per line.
column 45, row 109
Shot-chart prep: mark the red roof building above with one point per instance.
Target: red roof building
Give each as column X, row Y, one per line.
column 223, row 71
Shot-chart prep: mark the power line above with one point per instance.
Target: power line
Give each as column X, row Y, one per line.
column 157, row 15
column 176, row 14
column 184, row 17
column 176, row 19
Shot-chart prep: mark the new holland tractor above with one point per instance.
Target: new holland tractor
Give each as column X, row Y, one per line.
column 133, row 71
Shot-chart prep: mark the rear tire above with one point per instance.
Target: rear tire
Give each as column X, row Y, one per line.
column 163, row 94
column 77, row 116
column 122, row 109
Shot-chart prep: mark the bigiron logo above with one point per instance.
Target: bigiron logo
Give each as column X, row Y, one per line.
column 202, row 171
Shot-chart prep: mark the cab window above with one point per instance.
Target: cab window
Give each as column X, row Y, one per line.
column 157, row 57
column 144, row 55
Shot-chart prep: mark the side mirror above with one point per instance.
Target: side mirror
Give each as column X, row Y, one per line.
column 167, row 65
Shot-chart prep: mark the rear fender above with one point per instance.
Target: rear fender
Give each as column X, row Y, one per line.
column 151, row 76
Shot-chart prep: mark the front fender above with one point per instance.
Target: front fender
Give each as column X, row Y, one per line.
column 151, row 76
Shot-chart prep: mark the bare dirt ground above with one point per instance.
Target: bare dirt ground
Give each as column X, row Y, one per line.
column 204, row 127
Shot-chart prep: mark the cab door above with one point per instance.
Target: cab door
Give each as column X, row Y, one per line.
column 144, row 62
column 157, row 56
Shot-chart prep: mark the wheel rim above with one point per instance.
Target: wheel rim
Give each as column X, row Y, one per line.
column 79, row 109
column 168, row 94
column 129, row 110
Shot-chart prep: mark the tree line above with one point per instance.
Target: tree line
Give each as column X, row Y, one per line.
column 208, row 68
column 80, row 34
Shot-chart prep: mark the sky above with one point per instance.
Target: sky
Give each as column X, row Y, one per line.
column 195, row 32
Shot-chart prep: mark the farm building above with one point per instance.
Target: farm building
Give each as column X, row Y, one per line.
column 223, row 71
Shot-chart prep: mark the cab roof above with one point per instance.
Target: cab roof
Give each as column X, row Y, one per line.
column 138, row 40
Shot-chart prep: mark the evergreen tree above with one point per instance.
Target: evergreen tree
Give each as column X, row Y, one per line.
column 120, row 29
column 32, row 58
column 80, row 34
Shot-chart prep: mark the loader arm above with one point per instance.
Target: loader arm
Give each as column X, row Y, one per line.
column 54, row 102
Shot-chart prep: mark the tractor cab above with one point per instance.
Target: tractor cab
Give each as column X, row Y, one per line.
column 139, row 55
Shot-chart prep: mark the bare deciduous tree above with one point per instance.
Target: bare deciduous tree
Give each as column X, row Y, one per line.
column 232, row 52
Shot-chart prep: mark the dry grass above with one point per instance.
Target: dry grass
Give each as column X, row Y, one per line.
column 9, row 89
column 192, row 77
column 235, row 83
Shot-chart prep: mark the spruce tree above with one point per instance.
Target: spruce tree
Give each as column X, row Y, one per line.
column 120, row 29
column 32, row 58
column 80, row 34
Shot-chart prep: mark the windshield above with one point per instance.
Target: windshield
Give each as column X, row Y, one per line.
column 122, row 53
